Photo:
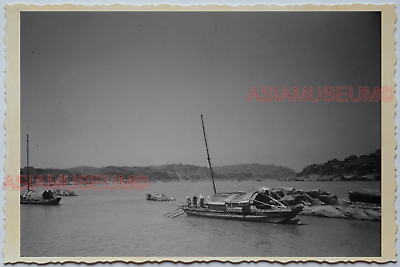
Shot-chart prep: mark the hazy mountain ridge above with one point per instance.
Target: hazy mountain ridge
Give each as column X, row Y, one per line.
column 173, row 172
column 364, row 167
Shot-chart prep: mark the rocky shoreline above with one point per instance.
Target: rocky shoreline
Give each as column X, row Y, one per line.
column 323, row 204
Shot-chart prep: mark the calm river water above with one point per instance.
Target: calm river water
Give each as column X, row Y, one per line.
column 124, row 223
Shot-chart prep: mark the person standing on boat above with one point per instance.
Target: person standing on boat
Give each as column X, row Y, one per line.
column 189, row 202
column 201, row 201
column 195, row 201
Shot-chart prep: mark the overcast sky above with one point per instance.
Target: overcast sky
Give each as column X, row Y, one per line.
column 128, row 88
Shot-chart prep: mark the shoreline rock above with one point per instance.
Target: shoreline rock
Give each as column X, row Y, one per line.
column 340, row 212
column 323, row 204
column 365, row 195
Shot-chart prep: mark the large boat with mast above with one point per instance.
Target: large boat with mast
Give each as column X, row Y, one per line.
column 256, row 205
column 45, row 197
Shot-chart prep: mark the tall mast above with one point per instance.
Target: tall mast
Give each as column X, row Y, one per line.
column 208, row 155
column 27, row 154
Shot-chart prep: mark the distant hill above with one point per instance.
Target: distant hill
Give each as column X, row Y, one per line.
column 255, row 171
column 174, row 172
column 365, row 167
column 353, row 168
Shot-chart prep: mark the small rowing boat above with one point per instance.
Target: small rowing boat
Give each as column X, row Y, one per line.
column 158, row 197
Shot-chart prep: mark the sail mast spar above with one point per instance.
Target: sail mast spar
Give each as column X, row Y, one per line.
column 27, row 152
column 208, row 155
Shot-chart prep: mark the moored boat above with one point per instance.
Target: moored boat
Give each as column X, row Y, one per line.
column 252, row 206
column 39, row 198
column 255, row 206
column 45, row 197
column 158, row 197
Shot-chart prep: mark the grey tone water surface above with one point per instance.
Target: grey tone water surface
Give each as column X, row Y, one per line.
column 124, row 223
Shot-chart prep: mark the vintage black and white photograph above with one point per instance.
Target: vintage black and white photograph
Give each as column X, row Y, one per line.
column 201, row 134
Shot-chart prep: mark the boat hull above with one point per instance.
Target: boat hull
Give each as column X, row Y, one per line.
column 270, row 216
column 54, row 201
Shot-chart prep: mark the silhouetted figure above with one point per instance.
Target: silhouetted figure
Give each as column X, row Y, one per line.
column 201, row 201
column 195, row 201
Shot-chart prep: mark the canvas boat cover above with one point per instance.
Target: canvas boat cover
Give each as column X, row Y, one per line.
column 233, row 197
